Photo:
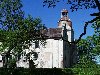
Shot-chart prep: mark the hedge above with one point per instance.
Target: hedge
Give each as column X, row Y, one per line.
column 36, row 71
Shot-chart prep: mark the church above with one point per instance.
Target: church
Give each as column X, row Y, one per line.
column 58, row 51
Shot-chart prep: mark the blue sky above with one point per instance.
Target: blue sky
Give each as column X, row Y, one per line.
column 50, row 16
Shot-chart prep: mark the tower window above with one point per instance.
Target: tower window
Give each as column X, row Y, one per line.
column 64, row 13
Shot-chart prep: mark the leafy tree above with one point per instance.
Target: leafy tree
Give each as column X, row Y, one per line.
column 87, row 50
column 96, row 37
column 17, row 32
column 90, row 45
column 10, row 14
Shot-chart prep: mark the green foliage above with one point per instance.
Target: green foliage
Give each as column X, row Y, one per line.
column 17, row 32
column 75, row 4
column 96, row 37
column 37, row 71
column 87, row 50
column 81, row 4
column 86, row 66
column 86, row 71
column 10, row 13
column 90, row 46
column 12, row 63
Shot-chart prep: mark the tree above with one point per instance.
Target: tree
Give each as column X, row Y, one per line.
column 87, row 50
column 91, row 44
column 96, row 37
column 17, row 32
column 10, row 14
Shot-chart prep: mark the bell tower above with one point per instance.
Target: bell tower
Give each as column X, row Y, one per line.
column 64, row 13
column 68, row 34
column 65, row 21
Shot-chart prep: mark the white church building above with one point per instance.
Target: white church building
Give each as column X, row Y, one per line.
column 58, row 52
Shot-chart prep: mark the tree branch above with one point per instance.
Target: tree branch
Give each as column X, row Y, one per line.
column 85, row 27
column 98, row 4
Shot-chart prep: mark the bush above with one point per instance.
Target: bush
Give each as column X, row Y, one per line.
column 36, row 71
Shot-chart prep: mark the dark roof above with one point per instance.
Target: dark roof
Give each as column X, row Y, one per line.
column 53, row 33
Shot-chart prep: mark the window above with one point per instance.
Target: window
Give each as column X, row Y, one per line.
column 64, row 14
column 36, row 44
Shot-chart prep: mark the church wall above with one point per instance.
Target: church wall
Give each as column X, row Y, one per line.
column 54, row 54
column 60, row 53
column 51, row 57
